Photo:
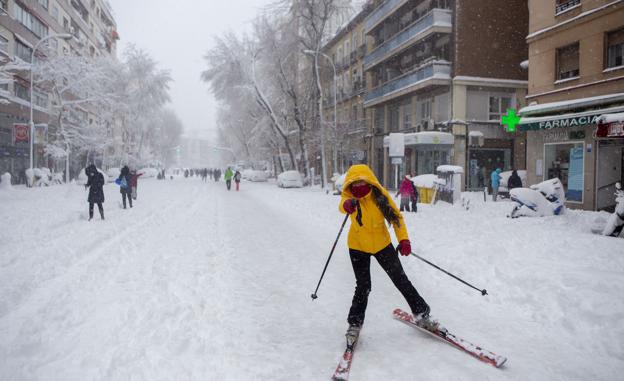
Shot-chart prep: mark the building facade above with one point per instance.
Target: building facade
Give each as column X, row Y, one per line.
column 23, row 23
column 576, row 76
column 443, row 72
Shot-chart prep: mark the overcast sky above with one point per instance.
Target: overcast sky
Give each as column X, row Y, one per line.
column 177, row 33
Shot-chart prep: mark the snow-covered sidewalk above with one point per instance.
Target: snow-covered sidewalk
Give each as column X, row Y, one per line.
column 197, row 283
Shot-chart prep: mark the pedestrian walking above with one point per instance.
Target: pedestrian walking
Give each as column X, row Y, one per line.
column 370, row 206
column 415, row 195
column 237, row 179
column 495, row 177
column 514, row 181
column 95, row 183
column 406, row 190
column 228, row 177
column 134, row 180
column 124, row 181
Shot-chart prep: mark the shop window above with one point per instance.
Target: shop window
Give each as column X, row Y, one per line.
column 568, row 62
column 615, row 48
column 498, row 107
column 565, row 162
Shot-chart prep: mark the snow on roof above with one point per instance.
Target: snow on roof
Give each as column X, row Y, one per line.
column 571, row 104
column 573, row 19
column 475, row 133
column 611, row 118
column 524, row 64
column 450, row 168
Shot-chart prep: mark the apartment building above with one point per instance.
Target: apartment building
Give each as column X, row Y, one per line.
column 351, row 141
column 443, row 72
column 23, row 23
column 576, row 81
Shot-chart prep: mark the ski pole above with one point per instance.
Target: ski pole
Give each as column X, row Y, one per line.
column 313, row 296
column 483, row 292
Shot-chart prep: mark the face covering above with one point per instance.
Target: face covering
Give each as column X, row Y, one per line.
column 360, row 191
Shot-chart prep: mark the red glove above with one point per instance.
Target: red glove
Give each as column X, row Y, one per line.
column 349, row 205
column 405, row 247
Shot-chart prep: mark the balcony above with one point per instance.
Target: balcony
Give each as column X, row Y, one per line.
column 563, row 6
column 438, row 20
column 381, row 13
column 433, row 72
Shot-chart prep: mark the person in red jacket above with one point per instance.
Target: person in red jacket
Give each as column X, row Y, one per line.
column 406, row 190
column 134, row 182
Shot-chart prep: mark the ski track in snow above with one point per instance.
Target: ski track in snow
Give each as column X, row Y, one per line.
column 197, row 283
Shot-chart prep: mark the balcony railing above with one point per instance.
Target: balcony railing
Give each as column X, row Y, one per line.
column 440, row 69
column 437, row 17
column 562, row 7
column 383, row 11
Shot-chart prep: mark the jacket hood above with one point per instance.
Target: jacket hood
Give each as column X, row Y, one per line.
column 498, row 170
column 359, row 172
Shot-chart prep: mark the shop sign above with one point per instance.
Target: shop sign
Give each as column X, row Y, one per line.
column 561, row 123
column 553, row 136
column 397, row 160
column 20, row 133
column 611, row 130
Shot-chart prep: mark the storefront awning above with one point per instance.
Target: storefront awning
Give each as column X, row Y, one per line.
column 425, row 138
column 578, row 119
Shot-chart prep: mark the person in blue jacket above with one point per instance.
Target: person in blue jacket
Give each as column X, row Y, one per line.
column 495, row 176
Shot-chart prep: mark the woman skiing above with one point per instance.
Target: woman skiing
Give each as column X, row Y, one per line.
column 96, row 190
column 370, row 206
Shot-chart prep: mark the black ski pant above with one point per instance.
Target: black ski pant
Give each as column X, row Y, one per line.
column 125, row 195
column 228, row 184
column 388, row 258
column 100, row 207
column 405, row 204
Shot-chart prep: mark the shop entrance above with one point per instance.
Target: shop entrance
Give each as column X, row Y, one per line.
column 483, row 161
column 610, row 169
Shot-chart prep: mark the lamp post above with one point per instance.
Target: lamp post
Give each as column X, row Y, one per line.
column 64, row 36
column 318, row 79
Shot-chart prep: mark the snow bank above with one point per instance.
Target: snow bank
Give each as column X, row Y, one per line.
column 5, row 181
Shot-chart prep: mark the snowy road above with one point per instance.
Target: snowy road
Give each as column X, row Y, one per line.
column 197, row 283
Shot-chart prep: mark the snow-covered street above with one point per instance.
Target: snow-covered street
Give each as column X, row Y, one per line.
column 197, row 283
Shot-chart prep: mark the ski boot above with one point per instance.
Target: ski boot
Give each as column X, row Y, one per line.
column 424, row 320
column 353, row 332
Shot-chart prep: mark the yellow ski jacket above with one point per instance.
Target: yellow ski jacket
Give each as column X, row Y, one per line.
column 373, row 235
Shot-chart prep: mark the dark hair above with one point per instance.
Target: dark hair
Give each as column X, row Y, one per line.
column 384, row 206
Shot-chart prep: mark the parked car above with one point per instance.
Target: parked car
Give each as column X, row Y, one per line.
column 290, row 179
column 259, row 176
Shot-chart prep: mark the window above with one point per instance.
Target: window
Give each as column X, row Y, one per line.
column 22, row 51
column 564, row 5
column 380, row 117
column 44, row 3
column 615, row 48
column 4, row 45
column 29, row 21
column 53, row 44
column 424, row 115
column 55, row 13
column 407, row 115
column 565, row 162
column 40, row 99
column 393, row 118
column 21, row 91
column 498, row 107
column 568, row 62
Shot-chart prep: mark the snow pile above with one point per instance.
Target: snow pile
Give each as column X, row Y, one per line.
column 5, row 181
column 450, row 169
column 425, row 181
column 611, row 118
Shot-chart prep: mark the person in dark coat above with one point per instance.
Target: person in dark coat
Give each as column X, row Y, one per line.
column 415, row 196
column 96, row 190
column 514, row 181
column 124, row 180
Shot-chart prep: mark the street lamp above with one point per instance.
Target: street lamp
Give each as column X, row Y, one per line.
column 318, row 82
column 64, row 36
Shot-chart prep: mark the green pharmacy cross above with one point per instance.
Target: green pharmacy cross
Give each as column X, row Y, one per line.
column 511, row 120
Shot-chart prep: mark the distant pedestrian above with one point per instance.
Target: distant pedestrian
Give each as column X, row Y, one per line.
column 134, row 180
column 96, row 190
column 514, row 181
column 237, row 179
column 415, row 195
column 228, row 177
column 406, row 190
column 495, row 178
column 186, row 173
column 123, row 181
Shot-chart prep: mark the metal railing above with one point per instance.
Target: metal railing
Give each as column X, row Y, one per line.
column 381, row 13
column 424, row 72
column 565, row 6
column 408, row 34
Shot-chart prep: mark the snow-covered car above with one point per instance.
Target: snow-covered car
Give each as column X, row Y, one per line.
column 113, row 173
column 290, row 179
column 148, row 172
column 82, row 177
column 259, row 176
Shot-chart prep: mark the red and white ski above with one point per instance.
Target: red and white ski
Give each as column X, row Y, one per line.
column 443, row 334
column 344, row 366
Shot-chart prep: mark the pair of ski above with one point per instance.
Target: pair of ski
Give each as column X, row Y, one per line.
column 344, row 366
